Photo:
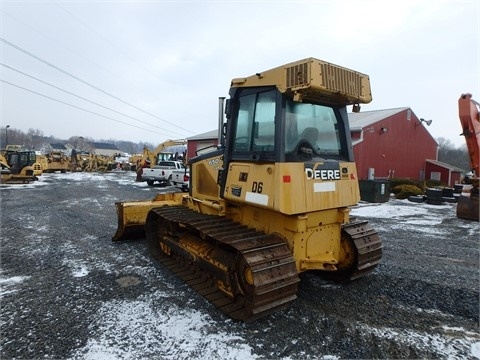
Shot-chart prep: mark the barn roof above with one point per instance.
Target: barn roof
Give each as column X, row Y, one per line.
column 366, row 118
column 444, row 165
column 213, row 134
column 104, row 146
column 58, row 146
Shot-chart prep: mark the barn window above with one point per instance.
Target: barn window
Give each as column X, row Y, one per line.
column 435, row 175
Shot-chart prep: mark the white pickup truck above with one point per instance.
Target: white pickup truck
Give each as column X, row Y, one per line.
column 162, row 173
column 181, row 179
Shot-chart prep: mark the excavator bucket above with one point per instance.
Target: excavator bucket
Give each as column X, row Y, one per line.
column 132, row 215
column 468, row 204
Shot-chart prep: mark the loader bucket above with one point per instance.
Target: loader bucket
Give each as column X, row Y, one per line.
column 132, row 215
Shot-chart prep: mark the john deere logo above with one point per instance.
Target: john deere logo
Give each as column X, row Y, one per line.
column 325, row 174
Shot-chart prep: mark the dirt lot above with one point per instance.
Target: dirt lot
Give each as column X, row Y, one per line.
column 67, row 291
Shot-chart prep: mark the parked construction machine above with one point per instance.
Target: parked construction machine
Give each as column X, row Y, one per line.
column 150, row 158
column 5, row 173
column 20, row 163
column 468, row 202
column 41, row 163
column 272, row 200
column 57, row 161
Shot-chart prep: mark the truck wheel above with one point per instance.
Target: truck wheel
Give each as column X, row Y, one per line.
column 150, row 182
column 169, row 181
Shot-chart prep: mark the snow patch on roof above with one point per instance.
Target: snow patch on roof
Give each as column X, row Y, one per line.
column 365, row 118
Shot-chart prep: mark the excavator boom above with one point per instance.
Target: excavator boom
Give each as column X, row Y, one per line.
column 468, row 111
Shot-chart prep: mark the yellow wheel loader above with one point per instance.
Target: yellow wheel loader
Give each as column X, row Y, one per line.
column 272, row 199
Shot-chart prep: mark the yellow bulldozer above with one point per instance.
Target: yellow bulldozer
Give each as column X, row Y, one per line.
column 272, row 200
column 57, row 161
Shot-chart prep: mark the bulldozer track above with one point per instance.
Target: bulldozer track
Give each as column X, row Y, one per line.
column 265, row 257
column 367, row 244
column 236, row 252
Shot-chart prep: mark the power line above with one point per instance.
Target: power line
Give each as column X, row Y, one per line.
column 81, row 97
column 86, row 83
column 84, row 24
column 39, row 32
column 76, row 107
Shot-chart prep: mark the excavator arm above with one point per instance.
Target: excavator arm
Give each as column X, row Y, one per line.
column 468, row 111
column 152, row 156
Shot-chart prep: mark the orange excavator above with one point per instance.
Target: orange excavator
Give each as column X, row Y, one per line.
column 468, row 111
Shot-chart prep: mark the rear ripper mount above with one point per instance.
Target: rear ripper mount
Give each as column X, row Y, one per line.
column 245, row 273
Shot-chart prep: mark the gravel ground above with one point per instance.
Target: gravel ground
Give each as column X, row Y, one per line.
column 68, row 292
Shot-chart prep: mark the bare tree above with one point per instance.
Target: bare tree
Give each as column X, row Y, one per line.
column 449, row 154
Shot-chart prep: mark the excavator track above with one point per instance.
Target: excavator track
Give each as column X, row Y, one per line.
column 245, row 273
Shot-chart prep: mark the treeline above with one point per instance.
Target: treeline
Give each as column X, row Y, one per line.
column 456, row 156
column 35, row 139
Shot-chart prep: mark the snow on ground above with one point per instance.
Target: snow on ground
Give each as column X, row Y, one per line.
column 123, row 178
column 7, row 284
column 449, row 349
column 404, row 213
column 397, row 209
column 146, row 327
column 128, row 329
column 31, row 185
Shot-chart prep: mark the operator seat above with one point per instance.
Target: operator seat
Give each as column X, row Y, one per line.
column 310, row 134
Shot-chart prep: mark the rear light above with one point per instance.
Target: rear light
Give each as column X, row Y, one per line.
column 186, row 177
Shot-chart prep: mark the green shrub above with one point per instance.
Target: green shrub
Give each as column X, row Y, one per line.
column 434, row 183
column 395, row 182
column 404, row 191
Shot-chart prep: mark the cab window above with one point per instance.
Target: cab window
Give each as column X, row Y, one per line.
column 312, row 126
column 255, row 131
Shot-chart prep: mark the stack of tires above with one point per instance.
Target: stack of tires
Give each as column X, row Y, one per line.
column 434, row 196
column 449, row 195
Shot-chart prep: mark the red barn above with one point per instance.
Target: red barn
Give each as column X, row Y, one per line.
column 202, row 141
column 386, row 143
column 447, row 174
column 391, row 143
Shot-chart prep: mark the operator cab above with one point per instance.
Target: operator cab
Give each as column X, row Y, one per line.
column 17, row 160
column 268, row 126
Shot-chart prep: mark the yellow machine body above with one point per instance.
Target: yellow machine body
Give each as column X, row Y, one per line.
column 17, row 165
column 57, row 161
column 273, row 199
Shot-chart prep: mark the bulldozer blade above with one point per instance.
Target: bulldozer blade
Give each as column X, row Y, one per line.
column 132, row 215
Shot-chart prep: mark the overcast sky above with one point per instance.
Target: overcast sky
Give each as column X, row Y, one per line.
column 153, row 70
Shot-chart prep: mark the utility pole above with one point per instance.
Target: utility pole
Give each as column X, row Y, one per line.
column 6, row 135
